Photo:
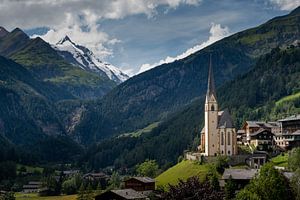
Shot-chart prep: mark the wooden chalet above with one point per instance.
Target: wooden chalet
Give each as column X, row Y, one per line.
column 121, row 195
column 241, row 177
column 262, row 139
column 140, row 183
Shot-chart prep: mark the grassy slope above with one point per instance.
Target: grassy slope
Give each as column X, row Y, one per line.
column 182, row 170
column 22, row 196
column 30, row 168
column 139, row 132
column 281, row 161
column 292, row 97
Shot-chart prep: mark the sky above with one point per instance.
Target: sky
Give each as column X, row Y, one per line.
column 137, row 35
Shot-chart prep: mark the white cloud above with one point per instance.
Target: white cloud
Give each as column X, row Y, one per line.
column 93, row 38
column 286, row 4
column 216, row 31
column 68, row 17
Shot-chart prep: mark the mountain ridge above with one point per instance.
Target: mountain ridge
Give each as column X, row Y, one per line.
column 247, row 97
column 86, row 59
column 153, row 95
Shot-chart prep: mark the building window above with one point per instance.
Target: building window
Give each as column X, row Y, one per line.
column 228, row 152
column 222, row 152
column 228, row 142
column 222, row 138
column 212, row 108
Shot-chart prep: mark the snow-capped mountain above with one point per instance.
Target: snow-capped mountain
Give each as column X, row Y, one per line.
column 84, row 58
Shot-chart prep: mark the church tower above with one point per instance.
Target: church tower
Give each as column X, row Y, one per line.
column 211, row 117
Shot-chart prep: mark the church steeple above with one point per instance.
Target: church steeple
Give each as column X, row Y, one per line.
column 211, row 83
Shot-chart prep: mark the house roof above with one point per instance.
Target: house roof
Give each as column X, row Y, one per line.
column 31, row 186
column 290, row 118
column 260, row 124
column 260, row 131
column 240, row 131
column 288, row 175
column 100, row 174
column 296, row 132
column 35, row 183
column 253, row 124
column 225, row 120
column 143, row 179
column 128, row 194
column 239, row 174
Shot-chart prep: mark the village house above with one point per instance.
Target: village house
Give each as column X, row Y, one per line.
column 289, row 134
column 95, row 176
column 262, row 139
column 287, row 141
column 290, row 124
column 140, row 183
column 121, row 195
column 69, row 173
column 241, row 177
column 286, row 133
column 257, row 159
column 32, row 187
column 251, row 127
column 134, row 188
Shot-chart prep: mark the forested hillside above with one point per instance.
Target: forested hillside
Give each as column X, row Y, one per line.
column 28, row 118
column 250, row 96
column 41, row 59
column 153, row 95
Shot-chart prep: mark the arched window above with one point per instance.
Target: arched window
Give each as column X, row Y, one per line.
column 222, row 138
column 212, row 108
column 228, row 142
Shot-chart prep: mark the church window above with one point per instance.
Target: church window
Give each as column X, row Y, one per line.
column 222, row 138
column 228, row 143
column 212, row 108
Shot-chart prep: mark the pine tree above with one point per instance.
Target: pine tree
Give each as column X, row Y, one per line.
column 81, row 193
column 230, row 188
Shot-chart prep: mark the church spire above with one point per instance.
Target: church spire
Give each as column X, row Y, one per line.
column 211, row 83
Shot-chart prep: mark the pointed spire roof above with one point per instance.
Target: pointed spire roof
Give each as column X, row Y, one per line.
column 211, row 82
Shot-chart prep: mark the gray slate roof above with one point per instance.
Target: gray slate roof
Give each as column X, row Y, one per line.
column 260, row 131
column 288, row 175
column 290, row 118
column 239, row 174
column 144, row 179
column 258, row 124
column 129, row 194
column 225, row 120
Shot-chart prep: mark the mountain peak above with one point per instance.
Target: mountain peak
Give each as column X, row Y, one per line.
column 18, row 32
column 64, row 39
column 86, row 59
column 3, row 32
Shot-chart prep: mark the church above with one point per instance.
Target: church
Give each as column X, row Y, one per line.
column 218, row 137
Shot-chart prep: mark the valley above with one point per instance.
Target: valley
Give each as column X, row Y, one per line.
column 73, row 126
